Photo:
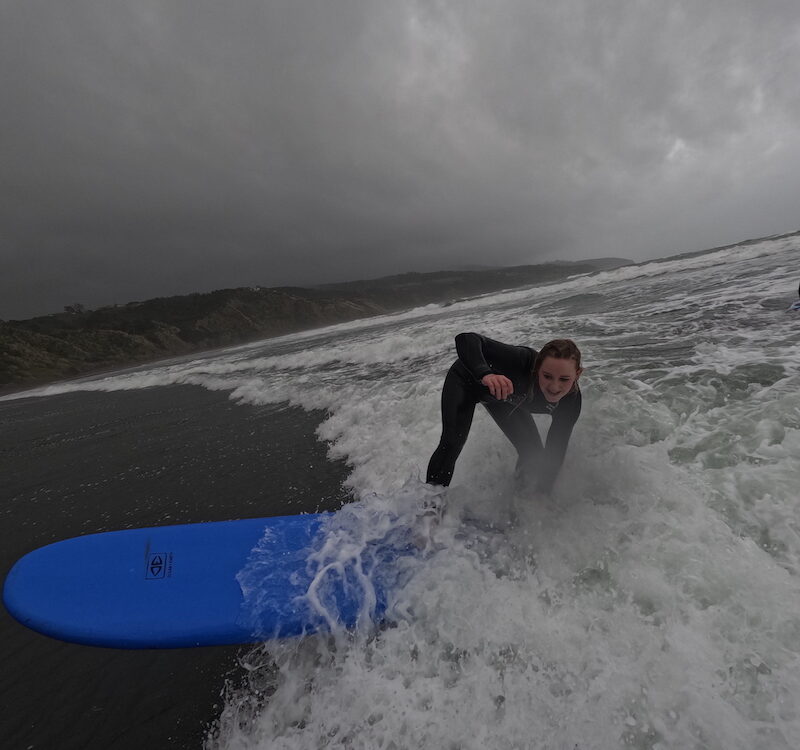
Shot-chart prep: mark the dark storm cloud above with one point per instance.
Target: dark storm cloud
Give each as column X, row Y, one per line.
column 158, row 148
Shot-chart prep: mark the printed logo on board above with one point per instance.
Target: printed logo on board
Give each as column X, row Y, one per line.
column 159, row 565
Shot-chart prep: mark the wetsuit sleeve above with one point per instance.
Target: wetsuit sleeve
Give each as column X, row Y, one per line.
column 557, row 441
column 482, row 356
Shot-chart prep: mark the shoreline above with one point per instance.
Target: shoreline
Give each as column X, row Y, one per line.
column 11, row 390
column 86, row 462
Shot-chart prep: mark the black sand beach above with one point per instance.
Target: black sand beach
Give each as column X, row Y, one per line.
column 86, row 462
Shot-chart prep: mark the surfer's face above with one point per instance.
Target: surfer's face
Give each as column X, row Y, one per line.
column 556, row 378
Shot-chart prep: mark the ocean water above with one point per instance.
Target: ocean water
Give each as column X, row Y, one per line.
column 652, row 602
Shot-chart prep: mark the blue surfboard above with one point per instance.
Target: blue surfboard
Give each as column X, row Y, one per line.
column 194, row 584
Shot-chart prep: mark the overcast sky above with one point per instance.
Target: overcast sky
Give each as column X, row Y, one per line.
column 154, row 148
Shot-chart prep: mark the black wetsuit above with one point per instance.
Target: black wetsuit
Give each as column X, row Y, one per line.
column 537, row 466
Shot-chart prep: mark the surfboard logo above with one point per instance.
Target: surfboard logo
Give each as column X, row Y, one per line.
column 159, row 565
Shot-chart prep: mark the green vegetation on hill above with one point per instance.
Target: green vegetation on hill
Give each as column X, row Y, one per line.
column 80, row 341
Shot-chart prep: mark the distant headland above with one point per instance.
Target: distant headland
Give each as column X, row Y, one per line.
column 79, row 341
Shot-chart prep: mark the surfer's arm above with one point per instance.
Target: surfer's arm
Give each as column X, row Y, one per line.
column 484, row 356
column 556, row 446
column 469, row 347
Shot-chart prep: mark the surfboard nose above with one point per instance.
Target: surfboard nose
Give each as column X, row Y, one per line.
column 179, row 586
column 138, row 588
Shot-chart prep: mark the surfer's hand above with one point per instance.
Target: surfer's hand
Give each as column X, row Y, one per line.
column 499, row 386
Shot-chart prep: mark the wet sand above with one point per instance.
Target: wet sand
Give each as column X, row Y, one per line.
column 86, row 462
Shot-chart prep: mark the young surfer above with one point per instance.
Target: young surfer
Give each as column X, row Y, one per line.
column 512, row 382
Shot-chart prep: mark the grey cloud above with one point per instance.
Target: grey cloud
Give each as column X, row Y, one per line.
column 160, row 148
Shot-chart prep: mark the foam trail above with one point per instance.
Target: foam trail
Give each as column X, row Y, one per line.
column 653, row 603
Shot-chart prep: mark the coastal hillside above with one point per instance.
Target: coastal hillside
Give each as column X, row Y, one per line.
column 79, row 341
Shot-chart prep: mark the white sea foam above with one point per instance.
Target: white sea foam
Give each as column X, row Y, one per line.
column 653, row 603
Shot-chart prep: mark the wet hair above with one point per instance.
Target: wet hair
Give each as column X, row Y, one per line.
column 559, row 349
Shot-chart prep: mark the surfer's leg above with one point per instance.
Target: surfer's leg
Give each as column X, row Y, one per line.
column 518, row 426
column 458, row 408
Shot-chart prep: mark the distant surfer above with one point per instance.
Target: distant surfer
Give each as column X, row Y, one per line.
column 512, row 382
column 796, row 305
